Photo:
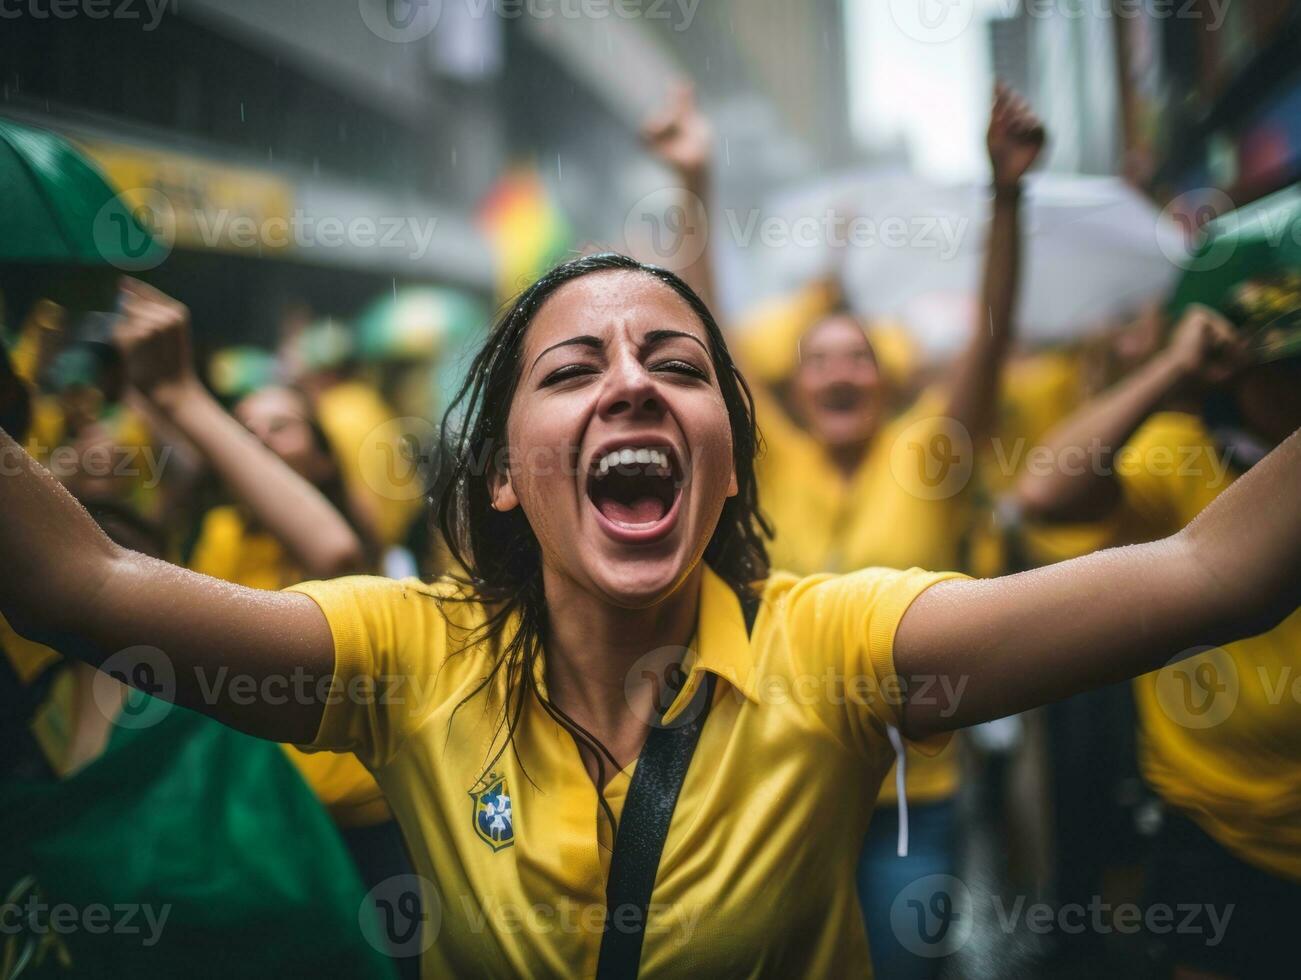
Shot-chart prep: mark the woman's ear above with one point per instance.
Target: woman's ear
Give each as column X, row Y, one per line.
column 501, row 492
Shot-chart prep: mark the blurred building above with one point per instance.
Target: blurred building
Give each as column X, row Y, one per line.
column 322, row 151
column 1199, row 100
column 1212, row 98
column 288, row 154
column 1062, row 56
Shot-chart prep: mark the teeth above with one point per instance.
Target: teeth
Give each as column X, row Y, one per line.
column 627, row 457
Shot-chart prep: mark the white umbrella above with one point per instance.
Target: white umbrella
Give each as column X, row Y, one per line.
column 912, row 250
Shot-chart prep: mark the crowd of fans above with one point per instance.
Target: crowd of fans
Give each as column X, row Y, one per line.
column 267, row 469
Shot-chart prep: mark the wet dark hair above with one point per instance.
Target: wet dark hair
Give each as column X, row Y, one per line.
column 498, row 551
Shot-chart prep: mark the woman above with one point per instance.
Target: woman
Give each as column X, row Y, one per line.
column 502, row 716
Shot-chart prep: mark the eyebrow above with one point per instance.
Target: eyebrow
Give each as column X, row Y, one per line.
column 656, row 336
column 652, row 338
column 582, row 340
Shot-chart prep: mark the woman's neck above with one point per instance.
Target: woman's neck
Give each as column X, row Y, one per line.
column 592, row 650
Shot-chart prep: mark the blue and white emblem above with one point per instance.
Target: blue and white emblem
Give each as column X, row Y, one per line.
column 494, row 819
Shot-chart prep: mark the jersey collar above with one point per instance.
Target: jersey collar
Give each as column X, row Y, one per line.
column 721, row 645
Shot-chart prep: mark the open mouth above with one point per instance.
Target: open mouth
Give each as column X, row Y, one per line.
column 841, row 398
column 635, row 489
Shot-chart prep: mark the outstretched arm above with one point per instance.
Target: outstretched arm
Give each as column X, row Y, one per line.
column 1018, row 642
column 66, row 584
column 1205, row 350
column 154, row 336
column 1014, row 140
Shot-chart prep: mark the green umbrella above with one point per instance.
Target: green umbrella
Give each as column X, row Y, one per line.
column 417, row 323
column 1249, row 267
column 60, row 209
column 1261, row 239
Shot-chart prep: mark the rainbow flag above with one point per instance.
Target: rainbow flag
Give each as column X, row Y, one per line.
column 526, row 229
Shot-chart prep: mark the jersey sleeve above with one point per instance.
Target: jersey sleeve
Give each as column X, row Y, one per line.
column 844, row 627
column 390, row 639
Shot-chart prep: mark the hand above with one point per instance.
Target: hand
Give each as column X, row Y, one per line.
column 1205, row 347
column 1015, row 137
column 680, row 135
column 153, row 336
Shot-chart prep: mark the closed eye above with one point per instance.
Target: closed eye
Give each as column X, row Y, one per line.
column 682, row 367
column 566, row 373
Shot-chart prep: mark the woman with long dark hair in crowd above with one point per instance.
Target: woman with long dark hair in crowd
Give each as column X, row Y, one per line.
column 603, row 506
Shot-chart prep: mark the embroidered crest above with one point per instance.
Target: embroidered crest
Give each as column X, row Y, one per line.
column 494, row 819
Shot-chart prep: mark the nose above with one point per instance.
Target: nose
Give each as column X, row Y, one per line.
column 630, row 392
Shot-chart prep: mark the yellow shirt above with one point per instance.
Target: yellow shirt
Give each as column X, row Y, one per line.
column 903, row 507
column 776, row 800
column 364, row 433
column 1221, row 732
column 228, row 550
column 1037, row 391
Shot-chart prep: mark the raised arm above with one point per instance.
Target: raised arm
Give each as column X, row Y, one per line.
column 1010, row 644
column 1014, row 140
column 154, row 338
column 681, row 138
column 1204, row 350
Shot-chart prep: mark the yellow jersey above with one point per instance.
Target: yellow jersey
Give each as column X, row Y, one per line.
column 364, row 433
column 904, row 506
column 778, row 795
column 1220, row 728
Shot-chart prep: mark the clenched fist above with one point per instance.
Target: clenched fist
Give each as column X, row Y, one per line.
column 680, row 135
column 1015, row 137
column 1206, row 348
column 153, row 336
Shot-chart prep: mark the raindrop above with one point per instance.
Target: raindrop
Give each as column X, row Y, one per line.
column 560, row 173
column 241, row 112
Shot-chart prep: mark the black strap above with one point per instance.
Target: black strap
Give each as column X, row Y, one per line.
column 644, row 825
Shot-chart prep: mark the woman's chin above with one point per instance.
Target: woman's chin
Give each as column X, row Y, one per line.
column 638, row 583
